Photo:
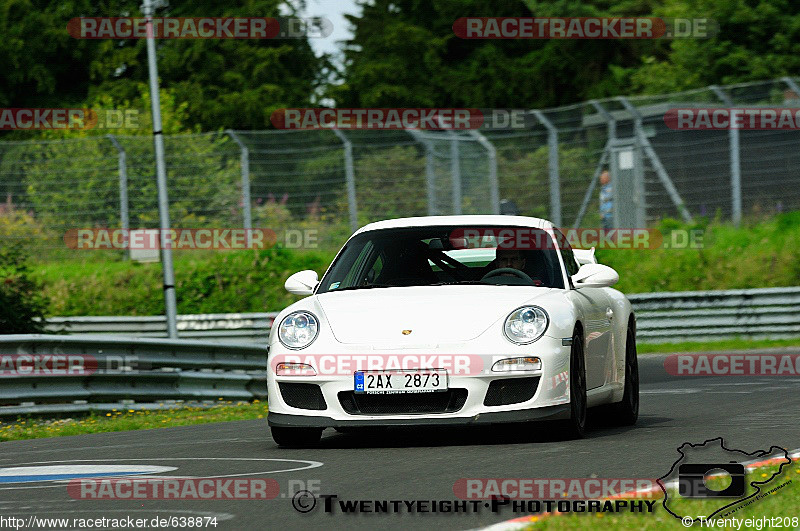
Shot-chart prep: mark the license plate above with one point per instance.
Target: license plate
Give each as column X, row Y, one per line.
column 388, row 382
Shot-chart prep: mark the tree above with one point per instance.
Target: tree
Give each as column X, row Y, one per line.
column 756, row 41
column 405, row 54
column 225, row 83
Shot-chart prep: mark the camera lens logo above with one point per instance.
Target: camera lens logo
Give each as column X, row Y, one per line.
column 697, row 480
column 720, row 479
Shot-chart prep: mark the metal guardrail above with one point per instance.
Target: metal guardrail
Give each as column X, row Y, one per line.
column 209, row 327
column 138, row 372
column 763, row 313
column 110, row 370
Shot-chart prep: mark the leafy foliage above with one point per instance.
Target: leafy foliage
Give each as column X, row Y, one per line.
column 224, row 83
column 404, row 54
column 21, row 302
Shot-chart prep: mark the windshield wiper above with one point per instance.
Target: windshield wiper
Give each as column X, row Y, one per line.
column 458, row 282
column 368, row 286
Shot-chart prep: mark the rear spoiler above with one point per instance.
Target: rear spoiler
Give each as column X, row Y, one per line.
column 584, row 256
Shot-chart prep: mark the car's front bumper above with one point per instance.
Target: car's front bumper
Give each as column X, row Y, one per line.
column 469, row 403
column 495, row 417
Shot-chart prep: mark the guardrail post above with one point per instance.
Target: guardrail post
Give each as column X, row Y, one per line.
column 552, row 167
column 663, row 176
column 247, row 216
column 736, row 170
column 122, row 165
column 350, row 177
column 430, row 174
column 491, row 151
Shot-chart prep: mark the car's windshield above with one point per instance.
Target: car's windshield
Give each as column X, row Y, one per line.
column 424, row 256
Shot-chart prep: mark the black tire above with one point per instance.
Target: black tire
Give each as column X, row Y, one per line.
column 575, row 427
column 626, row 412
column 296, row 437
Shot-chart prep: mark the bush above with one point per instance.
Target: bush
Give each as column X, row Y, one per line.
column 21, row 302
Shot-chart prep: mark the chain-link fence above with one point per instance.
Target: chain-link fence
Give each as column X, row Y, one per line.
column 334, row 180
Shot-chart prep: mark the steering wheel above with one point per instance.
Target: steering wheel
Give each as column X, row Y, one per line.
column 508, row 271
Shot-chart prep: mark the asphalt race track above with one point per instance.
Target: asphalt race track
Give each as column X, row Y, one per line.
column 750, row 413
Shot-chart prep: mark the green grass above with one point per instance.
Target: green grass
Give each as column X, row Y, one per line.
column 783, row 502
column 762, row 253
column 206, row 282
column 705, row 346
column 127, row 419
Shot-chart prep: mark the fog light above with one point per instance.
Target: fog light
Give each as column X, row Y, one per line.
column 294, row 369
column 529, row 363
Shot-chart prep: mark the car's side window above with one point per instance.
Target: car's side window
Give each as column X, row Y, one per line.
column 359, row 266
column 375, row 270
column 566, row 253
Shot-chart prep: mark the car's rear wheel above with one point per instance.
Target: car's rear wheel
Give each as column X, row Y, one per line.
column 575, row 427
column 296, row 437
column 626, row 412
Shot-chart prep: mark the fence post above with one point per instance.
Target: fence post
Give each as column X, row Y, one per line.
column 653, row 156
column 122, row 165
column 430, row 175
column 735, row 161
column 494, row 187
column 552, row 168
column 350, row 177
column 792, row 85
column 247, row 216
column 455, row 172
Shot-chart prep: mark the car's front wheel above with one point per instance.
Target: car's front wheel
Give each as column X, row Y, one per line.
column 296, row 437
column 575, row 427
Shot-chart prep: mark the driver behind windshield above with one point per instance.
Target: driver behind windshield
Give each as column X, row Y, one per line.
column 509, row 258
column 531, row 265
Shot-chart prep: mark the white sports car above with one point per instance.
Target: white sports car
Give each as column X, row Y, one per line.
column 452, row 320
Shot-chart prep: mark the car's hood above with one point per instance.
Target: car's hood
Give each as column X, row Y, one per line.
column 433, row 314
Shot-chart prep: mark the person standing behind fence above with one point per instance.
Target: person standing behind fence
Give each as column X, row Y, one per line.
column 606, row 200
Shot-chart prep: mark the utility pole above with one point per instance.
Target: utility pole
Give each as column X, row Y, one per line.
column 170, row 305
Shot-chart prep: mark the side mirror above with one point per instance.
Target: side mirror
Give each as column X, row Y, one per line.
column 302, row 283
column 595, row 276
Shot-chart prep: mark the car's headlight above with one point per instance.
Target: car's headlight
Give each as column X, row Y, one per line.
column 526, row 324
column 298, row 329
